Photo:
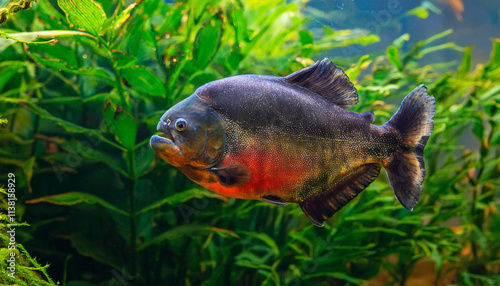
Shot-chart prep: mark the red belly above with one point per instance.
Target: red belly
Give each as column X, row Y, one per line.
column 273, row 172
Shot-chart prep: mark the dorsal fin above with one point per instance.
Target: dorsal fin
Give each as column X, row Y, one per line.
column 321, row 207
column 327, row 80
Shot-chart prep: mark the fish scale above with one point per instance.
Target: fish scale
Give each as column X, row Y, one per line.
column 291, row 140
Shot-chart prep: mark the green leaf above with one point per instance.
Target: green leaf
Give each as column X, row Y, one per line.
column 86, row 15
column 307, row 42
column 8, row 7
column 398, row 43
column 266, row 239
column 121, row 124
column 187, row 230
column 495, row 140
column 478, row 126
column 68, row 126
column 393, row 56
column 354, row 71
column 144, row 159
column 362, row 40
column 465, row 66
column 382, row 229
column 202, row 78
column 207, row 43
column 489, row 169
column 144, row 80
column 181, row 197
column 56, row 51
column 86, row 229
column 172, row 20
column 73, row 198
column 375, row 214
column 338, row 275
column 8, row 39
column 492, row 94
column 123, row 61
column 437, row 36
column 117, row 21
column 10, row 68
column 28, row 171
column 419, row 12
column 234, row 58
column 494, row 61
column 92, row 153
column 430, row 6
column 240, row 25
column 59, row 64
column 451, row 46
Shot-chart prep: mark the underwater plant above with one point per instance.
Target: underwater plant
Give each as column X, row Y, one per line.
column 84, row 83
column 9, row 7
column 18, row 267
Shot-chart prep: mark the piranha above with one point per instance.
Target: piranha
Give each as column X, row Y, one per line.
column 291, row 140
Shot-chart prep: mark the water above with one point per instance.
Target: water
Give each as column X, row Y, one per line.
column 475, row 25
column 77, row 114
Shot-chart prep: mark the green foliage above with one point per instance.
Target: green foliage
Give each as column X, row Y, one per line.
column 9, row 7
column 27, row 270
column 84, row 83
column 84, row 14
column 3, row 121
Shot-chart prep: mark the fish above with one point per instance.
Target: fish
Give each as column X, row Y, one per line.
column 458, row 8
column 292, row 140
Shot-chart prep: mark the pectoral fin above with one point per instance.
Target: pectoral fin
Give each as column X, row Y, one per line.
column 321, row 207
column 235, row 175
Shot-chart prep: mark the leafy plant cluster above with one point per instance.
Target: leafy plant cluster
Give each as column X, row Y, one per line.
column 27, row 270
column 84, row 83
column 8, row 7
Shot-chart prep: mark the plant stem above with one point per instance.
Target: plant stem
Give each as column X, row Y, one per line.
column 118, row 78
column 131, row 171
column 120, row 90
column 132, row 212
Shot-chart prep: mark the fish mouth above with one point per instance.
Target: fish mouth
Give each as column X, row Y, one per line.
column 163, row 140
column 167, row 150
column 159, row 143
column 163, row 144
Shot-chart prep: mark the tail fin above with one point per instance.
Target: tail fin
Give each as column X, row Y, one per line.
column 413, row 121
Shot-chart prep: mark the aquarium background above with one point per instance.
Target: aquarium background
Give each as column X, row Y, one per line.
column 84, row 83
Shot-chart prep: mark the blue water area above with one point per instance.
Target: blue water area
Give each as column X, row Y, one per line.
column 474, row 23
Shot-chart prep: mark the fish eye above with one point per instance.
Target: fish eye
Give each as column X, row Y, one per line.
column 181, row 124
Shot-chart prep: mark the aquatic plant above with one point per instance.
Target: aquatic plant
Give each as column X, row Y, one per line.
column 83, row 86
column 18, row 267
column 9, row 7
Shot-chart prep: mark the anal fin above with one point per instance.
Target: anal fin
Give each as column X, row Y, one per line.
column 319, row 208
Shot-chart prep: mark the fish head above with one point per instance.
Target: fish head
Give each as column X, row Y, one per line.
column 193, row 134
